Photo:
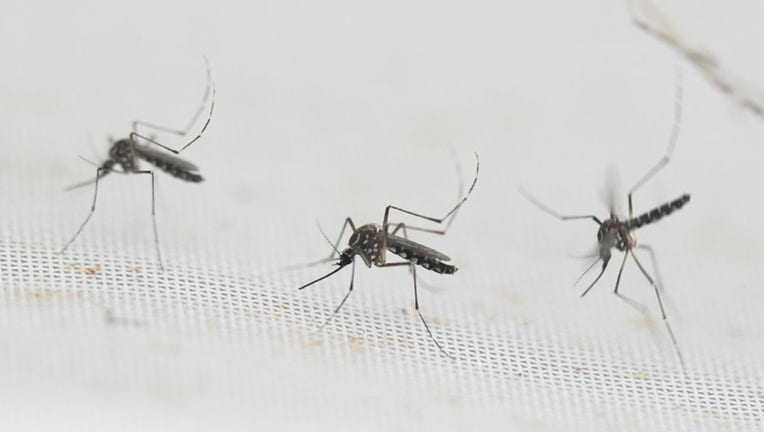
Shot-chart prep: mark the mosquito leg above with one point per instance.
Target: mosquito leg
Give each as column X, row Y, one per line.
column 663, row 312
column 350, row 290
column 434, row 219
column 210, row 89
column 630, row 301
column 550, row 211
column 669, row 150
column 99, row 173
column 416, row 305
column 401, row 226
column 153, row 216
column 421, row 317
column 413, row 228
column 654, row 262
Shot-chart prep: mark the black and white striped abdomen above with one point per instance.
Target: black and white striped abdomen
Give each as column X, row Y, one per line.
column 659, row 212
column 174, row 170
column 422, row 259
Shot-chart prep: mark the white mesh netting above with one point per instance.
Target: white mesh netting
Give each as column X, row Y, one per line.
column 337, row 110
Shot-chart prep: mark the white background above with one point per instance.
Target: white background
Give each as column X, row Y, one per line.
column 338, row 108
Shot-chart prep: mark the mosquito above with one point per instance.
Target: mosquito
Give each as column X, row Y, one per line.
column 648, row 18
column 371, row 242
column 127, row 153
column 620, row 234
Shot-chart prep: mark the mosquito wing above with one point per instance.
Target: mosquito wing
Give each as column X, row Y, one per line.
column 406, row 244
column 151, row 154
column 608, row 193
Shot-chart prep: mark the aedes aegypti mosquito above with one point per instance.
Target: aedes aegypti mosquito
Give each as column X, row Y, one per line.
column 372, row 241
column 127, row 152
column 621, row 234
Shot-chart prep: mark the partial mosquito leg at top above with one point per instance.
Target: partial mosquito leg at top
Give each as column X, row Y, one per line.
column 342, row 303
column 663, row 312
column 210, row 89
column 628, row 300
column 99, row 174
column 153, row 216
column 671, row 144
column 430, row 218
column 190, row 124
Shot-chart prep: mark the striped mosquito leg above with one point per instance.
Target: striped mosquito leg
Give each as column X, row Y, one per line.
column 659, row 212
column 154, row 216
column 630, row 301
column 100, row 172
column 184, row 132
column 344, row 299
column 678, row 96
column 649, row 249
column 663, row 313
column 416, row 306
column 434, row 219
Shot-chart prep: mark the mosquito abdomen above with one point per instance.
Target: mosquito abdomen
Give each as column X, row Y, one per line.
column 426, row 261
column 659, row 212
column 173, row 170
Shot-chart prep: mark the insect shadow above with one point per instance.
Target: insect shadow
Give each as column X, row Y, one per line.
column 371, row 242
column 127, row 153
column 620, row 234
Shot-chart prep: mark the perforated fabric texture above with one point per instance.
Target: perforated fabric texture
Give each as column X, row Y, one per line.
column 339, row 109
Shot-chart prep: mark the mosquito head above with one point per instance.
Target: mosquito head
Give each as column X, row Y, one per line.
column 611, row 234
column 607, row 237
column 346, row 257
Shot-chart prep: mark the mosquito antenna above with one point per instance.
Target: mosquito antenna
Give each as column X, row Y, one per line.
column 549, row 210
column 89, row 161
column 317, row 262
column 107, row 170
column 322, row 277
column 318, row 224
column 79, row 185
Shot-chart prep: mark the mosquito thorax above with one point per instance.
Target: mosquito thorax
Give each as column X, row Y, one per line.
column 121, row 152
column 367, row 243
